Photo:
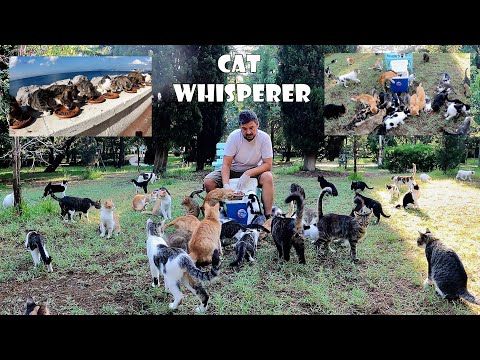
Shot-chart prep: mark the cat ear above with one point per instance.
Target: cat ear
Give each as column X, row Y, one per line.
column 30, row 301
column 428, row 231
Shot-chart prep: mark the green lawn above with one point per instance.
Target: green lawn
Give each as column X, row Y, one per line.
column 111, row 276
column 426, row 73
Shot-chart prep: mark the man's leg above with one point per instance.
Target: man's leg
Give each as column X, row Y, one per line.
column 213, row 180
column 266, row 182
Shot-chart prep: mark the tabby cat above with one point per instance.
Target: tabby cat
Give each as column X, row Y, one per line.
column 191, row 206
column 121, row 83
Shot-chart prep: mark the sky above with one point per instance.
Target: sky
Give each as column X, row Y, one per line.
column 29, row 66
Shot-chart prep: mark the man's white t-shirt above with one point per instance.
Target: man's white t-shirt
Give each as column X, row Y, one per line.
column 248, row 154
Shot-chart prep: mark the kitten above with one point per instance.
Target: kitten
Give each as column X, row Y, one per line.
column 109, row 219
column 191, row 206
column 104, row 84
column 288, row 232
column 121, row 83
column 177, row 267
column 368, row 100
column 410, row 199
column 386, row 77
column 324, row 183
column 394, row 191
column 352, row 76
column 333, row 111
column 31, row 308
column 35, row 242
column 55, row 188
column 360, row 201
column 246, row 246
column 141, row 184
column 141, row 200
column 70, row 204
column 359, row 185
column 9, row 201
column 445, row 269
column 206, row 237
column 337, row 228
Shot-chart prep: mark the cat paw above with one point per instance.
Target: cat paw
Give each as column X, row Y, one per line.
column 172, row 306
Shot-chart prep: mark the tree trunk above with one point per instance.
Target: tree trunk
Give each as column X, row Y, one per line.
column 354, row 154
column 289, row 152
column 58, row 159
column 161, row 156
column 309, row 162
column 272, row 134
column 138, row 158
column 380, row 150
column 121, row 156
column 17, row 195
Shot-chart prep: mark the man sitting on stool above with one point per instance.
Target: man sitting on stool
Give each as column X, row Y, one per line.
column 248, row 153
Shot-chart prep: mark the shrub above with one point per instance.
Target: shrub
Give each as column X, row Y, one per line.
column 400, row 158
column 90, row 174
column 355, row 176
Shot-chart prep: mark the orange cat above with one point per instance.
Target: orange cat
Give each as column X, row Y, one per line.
column 367, row 100
column 378, row 65
column 414, row 108
column 187, row 222
column 421, row 97
column 386, row 76
column 216, row 195
column 108, row 219
column 206, row 237
column 349, row 60
column 141, row 200
column 191, row 207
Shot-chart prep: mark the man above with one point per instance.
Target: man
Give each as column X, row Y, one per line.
column 248, row 153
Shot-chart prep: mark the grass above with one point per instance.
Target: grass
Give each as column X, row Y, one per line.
column 111, row 276
column 426, row 73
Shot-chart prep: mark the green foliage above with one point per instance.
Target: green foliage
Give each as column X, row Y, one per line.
column 64, row 50
column 355, row 176
column 444, row 48
column 450, row 152
column 399, row 159
column 90, row 174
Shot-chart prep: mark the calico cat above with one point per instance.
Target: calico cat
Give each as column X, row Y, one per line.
column 177, row 267
column 141, row 184
column 109, row 219
column 360, row 201
column 288, row 232
column 334, row 227
column 31, row 308
column 121, row 83
column 191, row 206
column 410, row 199
column 324, row 183
column 104, row 84
column 333, row 111
column 394, row 191
column 445, row 269
column 35, row 242
column 141, row 200
column 55, row 188
column 246, row 246
column 408, row 181
column 359, row 185
column 206, row 236
column 70, row 204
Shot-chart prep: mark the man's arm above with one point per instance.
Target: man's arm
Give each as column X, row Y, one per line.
column 266, row 166
column 226, row 166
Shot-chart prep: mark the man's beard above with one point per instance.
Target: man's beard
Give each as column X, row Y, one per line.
column 249, row 139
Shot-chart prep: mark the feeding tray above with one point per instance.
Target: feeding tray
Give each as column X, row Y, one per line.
column 25, row 120
column 63, row 112
column 111, row 95
column 96, row 100
column 238, row 195
column 134, row 90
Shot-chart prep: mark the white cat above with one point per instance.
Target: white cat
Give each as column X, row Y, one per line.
column 165, row 202
column 394, row 191
column 465, row 174
column 352, row 76
column 177, row 268
column 425, row 177
column 35, row 242
column 108, row 219
column 454, row 109
column 8, row 201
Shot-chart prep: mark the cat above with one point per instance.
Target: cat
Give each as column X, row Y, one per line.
column 360, row 201
column 141, row 200
column 232, row 227
column 394, row 120
column 104, row 84
column 349, row 60
column 47, row 100
column 360, row 116
column 254, row 209
column 216, row 195
column 410, row 199
column 191, row 206
column 65, row 94
column 411, row 78
column 206, row 237
column 55, row 188
column 394, row 191
column 352, row 76
column 146, row 176
column 426, row 58
column 31, row 308
column 309, row 217
column 177, row 267
column 288, row 232
column 246, row 246
column 121, row 83
column 86, row 89
column 464, row 175
column 425, row 178
column 409, row 181
column 163, row 204
column 455, row 108
column 378, row 65
column 324, row 183
column 359, row 185
column 141, row 184
column 421, row 96
column 463, row 129
column 70, row 204
column 36, row 243
column 445, row 269
column 333, row 111
column 9, row 201
column 367, row 125
column 368, row 100
column 445, row 78
column 386, row 77
column 439, row 100
column 109, row 219
column 414, row 105
column 338, row 228
column 428, row 104
column 136, row 78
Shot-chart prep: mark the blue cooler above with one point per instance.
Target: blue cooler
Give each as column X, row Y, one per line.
column 237, row 210
column 401, row 64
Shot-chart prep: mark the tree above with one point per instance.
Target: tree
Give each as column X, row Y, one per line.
column 17, row 195
column 450, row 152
column 60, row 146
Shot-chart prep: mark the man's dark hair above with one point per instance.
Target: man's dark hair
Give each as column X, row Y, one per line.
column 246, row 116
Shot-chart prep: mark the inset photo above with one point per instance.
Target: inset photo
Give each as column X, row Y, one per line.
column 397, row 93
column 80, row 96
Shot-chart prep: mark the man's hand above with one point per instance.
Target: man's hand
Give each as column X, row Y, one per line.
column 242, row 181
column 227, row 187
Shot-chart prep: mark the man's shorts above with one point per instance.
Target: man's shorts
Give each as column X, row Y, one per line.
column 216, row 175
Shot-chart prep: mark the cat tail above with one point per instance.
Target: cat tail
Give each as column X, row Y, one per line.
column 197, row 192
column 383, row 214
column 188, row 265
column 469, row 297
column 298, row 198
column 242, row 249
column 320, row 200
column 398, row 206
column 368, row 187
column 53, row 196
column 46, row 260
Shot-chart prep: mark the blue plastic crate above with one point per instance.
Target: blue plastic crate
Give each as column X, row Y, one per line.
column 400, row 84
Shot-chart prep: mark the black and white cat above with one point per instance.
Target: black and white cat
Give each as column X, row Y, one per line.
column 324, row 183
column 69, row 205
column 393, row 190
column 177, row 268
column 35, row 242
column 445, row 269
column 359, row 185
column 55, row 188
column 246, row 246
column 148, row 175
column 137, row 184
column 104, row 84
column 410, row 199
column 455, row 108
column 360, row 201
column 254, row 209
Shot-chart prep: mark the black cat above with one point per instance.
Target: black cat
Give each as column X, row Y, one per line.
column 70, row 204
column 359, row 185
column 333, row 111
column 324, row 183
column 426, row 58
column 372, row 204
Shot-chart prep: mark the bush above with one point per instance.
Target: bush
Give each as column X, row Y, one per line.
column 355, row 176
column 400, row 158
column 90, row 174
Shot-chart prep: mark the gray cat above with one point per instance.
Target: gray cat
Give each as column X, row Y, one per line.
column 445, row 269
column 48, row 99
column 121, row 83
column 86, row 89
